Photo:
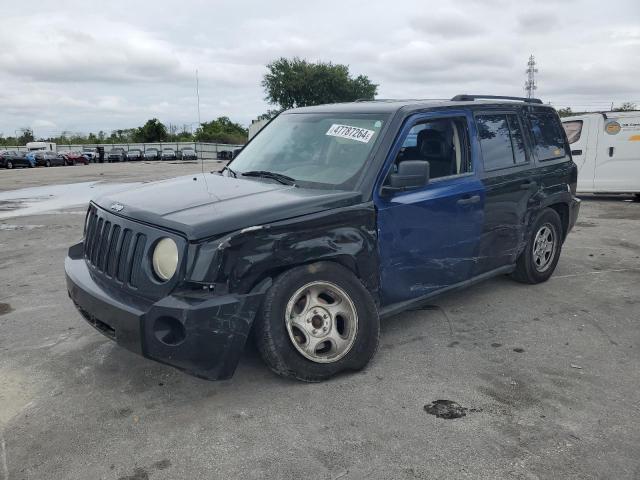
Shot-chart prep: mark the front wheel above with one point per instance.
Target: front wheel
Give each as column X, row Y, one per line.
column 539, row 259
column 47, row 163
column 316, row 321
column 9, row 164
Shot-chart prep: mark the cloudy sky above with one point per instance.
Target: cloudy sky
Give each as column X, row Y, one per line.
column 86, row 66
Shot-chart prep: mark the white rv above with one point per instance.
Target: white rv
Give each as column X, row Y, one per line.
column 41, row 146
column 606, row 148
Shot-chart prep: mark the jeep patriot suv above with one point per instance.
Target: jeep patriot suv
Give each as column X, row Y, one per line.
column 330, row 219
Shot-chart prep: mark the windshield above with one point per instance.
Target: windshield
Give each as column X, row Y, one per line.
column 326, row 149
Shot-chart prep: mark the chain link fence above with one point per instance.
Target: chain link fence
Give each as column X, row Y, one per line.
column 205, row 151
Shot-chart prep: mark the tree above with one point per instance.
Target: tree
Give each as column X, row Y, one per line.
column 221, row 130
column 565, row 112
column 298, row 83
column 152, row 131
column 626, row 107
column 27, row 136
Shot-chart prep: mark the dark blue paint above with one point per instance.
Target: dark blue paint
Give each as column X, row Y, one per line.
column 426, row 240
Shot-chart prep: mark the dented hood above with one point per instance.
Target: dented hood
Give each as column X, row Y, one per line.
column 207, row 204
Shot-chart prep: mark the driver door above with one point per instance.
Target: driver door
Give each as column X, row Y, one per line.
column 428, row 236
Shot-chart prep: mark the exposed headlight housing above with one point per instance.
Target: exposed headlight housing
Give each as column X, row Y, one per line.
column 165, row 259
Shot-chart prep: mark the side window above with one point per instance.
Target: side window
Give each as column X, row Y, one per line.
column 501, row 140
column 517, row 140
column 495, row 141
column 547, row 134
column 443, row 142
column 573, row 129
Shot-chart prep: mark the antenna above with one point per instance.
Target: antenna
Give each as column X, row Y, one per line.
column 198, row 97
column 530, row 85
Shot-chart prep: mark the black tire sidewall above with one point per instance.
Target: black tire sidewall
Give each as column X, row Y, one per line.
column 273, row 338
column 9, row 164
column 526, row 264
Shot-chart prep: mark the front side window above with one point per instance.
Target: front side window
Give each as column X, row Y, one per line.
column 547, row 135
column 501, row 140
column 442, row 142
column 324, row 150
column 573, row 129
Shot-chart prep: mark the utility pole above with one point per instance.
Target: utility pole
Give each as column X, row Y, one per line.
column 530, row 85
column 198, row 97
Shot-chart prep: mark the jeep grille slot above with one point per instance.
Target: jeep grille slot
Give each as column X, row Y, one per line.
column 114, row 250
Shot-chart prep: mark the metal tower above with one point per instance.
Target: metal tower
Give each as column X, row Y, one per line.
column 530, row 85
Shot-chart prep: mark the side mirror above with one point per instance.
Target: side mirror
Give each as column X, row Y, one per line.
column 411, row 174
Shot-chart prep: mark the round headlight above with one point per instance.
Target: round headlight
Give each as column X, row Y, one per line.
column 165, row 258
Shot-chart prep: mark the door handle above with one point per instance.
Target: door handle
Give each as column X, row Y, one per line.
column 611, row 151
column 527, row 185
column 469, row 200
column 576, row 152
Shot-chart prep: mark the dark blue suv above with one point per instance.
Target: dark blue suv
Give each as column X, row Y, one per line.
column 331, row 218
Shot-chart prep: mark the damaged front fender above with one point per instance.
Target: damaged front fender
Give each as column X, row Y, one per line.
column 236, row 262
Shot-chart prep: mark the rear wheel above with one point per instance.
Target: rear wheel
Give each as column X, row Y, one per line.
column 316, row 321
column 9, row 164
column 539, row 259
column 47, row 163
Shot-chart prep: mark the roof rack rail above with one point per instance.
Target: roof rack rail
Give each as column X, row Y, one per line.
column 470, row 98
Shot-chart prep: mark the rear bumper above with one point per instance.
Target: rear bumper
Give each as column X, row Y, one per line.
column 574, row 210
column 199, row 333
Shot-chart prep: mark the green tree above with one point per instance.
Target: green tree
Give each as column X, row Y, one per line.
column 295, row 82
column 27, row 136
column 565, row 112
column 152, row 131
column 221, row 130
column 626, row 107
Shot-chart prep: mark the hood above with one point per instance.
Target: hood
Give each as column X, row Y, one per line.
column 208, row 204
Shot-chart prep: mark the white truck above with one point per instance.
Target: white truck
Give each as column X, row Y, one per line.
column 606, row 148
column 41, row 146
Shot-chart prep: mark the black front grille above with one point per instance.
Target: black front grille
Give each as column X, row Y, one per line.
column 114, row 249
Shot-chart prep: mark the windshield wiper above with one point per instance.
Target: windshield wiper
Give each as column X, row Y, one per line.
column 279, row 177
column 232, row 172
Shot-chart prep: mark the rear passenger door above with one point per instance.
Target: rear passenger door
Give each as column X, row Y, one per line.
column 509, row 184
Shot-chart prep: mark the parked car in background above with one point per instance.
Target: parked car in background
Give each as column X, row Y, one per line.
column 135, row 154
column 117, row 154
column 152, row 154
column 90, row 153
column 48, row 159
column 73, row 158
column 331, row 218
column 169, row 154
column 606, row 148
column 31, row 156
column 12, row 158
column 187, row 154
column 224, row 155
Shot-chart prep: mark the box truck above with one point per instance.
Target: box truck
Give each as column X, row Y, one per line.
column 606, row 148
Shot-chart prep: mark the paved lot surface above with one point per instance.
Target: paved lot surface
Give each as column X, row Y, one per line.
column 550, row 374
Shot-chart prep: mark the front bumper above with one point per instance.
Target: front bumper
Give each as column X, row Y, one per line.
column 199, row 333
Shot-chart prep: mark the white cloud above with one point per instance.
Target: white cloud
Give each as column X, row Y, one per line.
column 72, row 69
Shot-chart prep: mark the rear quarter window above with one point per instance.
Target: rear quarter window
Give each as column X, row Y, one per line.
column 548, row 135
column 573, row 129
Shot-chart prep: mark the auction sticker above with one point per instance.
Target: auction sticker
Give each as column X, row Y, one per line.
column 352, row 133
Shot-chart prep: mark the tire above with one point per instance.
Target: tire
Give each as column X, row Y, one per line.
column 47, row 163
column 9, row 164
column 282, row 344
column 540, row 256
